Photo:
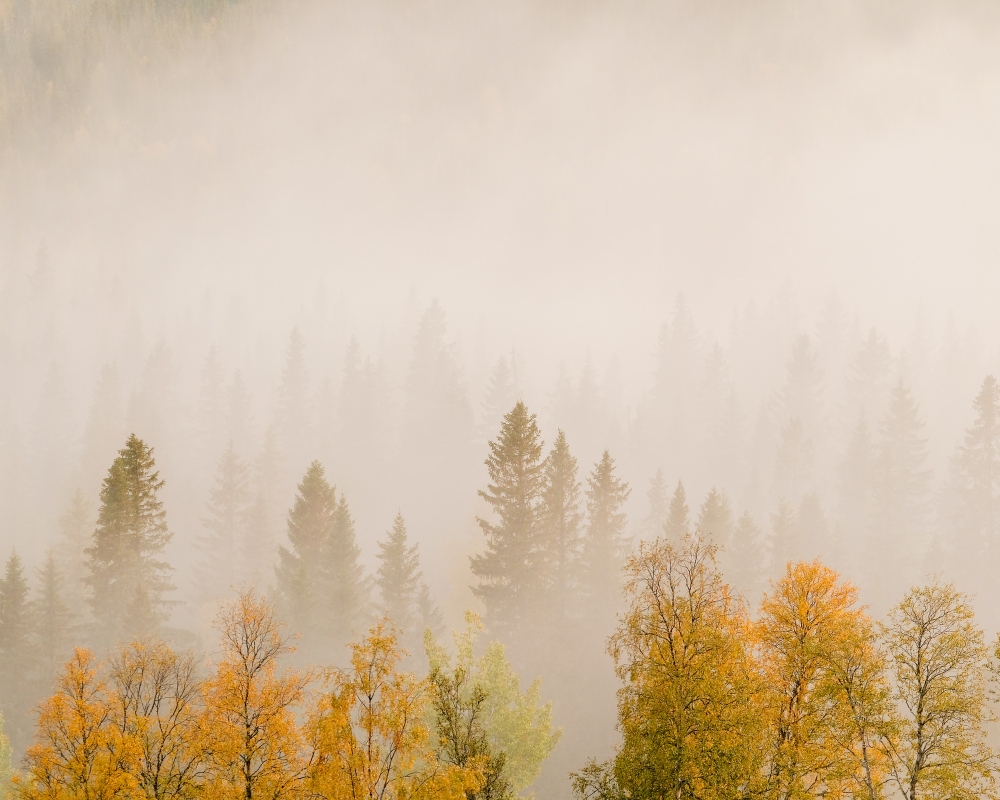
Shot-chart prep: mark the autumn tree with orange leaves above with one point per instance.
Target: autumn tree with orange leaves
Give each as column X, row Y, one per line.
column 254, row 749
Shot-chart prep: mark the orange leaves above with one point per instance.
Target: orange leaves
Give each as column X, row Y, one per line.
column 370, row 733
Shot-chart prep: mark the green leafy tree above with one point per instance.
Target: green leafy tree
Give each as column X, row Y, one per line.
column 561, row 522
column 15, row 649
column 508, row 570
column 127, row 577
column 480, row 708
column 605, row 544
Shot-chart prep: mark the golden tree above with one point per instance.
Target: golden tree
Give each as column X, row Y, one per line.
column 941, row 671
column 808, row 617
column 688, row 703
column 254, row 749
column 155, row 704
column 370, row 733
column 78, row 754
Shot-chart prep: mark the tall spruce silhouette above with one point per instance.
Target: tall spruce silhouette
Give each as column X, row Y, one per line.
column 127, row 576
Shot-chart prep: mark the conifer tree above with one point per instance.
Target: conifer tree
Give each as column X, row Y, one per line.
column 300, row 571
column 605, row 545
column 976, row 475
column 264, row 518
column 659, row 507
column 715, row 519
column 855, row 485
column 293, row 400
column 901, row 489
column 678, row 523
column 320, row 581
column 801, row 397
column 238, row 418
column 743, row 562
column 126, row 576
column 561, row 520
column 103, row 429
column 346, row 588
column 398, row 577
column 501, row 394
column 508, row 569
column 785, row 528
column 76, row 529
column 50, row 618
column 428, row 612
column 793, row 460
column 225, row 525
column 15, row 629
column 211, row 410
column 868, row 378
column 812, row 534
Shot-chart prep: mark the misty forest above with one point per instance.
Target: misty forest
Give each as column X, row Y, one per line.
column 488, row 401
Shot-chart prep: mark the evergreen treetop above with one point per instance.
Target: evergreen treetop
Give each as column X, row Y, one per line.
column 678, row 523
column 508, row 569
column 126, row 576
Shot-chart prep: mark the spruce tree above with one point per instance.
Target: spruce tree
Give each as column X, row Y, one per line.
column 793, row 460
column 678, row 524
column 50, row 623
column 126, row 577
column 501, row 394
column 785, row 529
column 976, row 475
column 428, row 612
column 293, row 400
column 76, row 532
column 345, row 586
column 659, row 508
column 264, row 520
column 855, row 484
column 300, row 570
column 605, row 545
column 560, row 521
column 15, row 659
column 320, row 582
column 508, row 569
column 743, row 561
column 715, row 518
column 398, row 576
column 901, row 490
column 225, row 526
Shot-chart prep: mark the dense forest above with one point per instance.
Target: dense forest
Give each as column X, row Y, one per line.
column 482, row 400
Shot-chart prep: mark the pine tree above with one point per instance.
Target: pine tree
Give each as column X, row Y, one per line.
column 264, row 520
column 801, row 397
column 238, row 417
column 793, row 460
column 406, row 599
column 76, row 529
column 561, row 518
column 225, row 525
column 901, row 484
column 15, row 662
column 605, row 545
column 715, row 519
column 501, row 394
column 211, row 411
column 856, row 475
column 659, row 508
column 508, row 569
column 293, row 400
column 678, row 523
column 743, row 561
column 785, row 529
column 320, row 581
column 976, row 475
column 300, row 567
column 50, row 618
column 398, row 577
column 104, row 427
column 345, row 586
column 126, row 576
column 868, row 378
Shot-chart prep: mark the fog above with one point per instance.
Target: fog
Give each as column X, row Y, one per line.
column 641, row 207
